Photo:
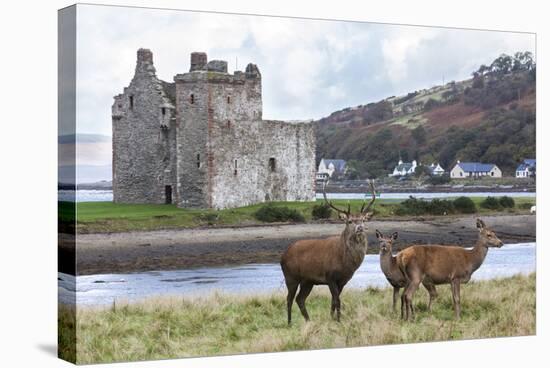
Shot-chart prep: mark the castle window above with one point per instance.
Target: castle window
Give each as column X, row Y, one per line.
column 131, row 102
column 228, row 99
column 192, row 99
column 198, row 160
column 272, row 164
column 235, row 170
column 163, row 111
column 228, row 124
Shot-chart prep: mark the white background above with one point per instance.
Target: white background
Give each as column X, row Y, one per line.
column 28, row 133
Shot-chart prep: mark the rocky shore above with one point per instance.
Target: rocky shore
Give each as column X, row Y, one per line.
column 191, row 248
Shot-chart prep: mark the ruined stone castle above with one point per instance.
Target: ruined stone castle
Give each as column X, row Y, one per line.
column 200, row 142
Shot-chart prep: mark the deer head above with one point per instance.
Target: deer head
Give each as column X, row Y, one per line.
column 386, row 242
column 487, row 237
column 355, row 223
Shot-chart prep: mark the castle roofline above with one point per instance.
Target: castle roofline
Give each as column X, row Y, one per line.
column 200, row 63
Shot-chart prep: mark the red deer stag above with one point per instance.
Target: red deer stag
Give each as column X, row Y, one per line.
column 439, row 264
column 388, row 264
column 331, row 261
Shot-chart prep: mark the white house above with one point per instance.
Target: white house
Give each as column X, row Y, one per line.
column 464, row 170
column 404, row 168
column 436, row 169
column 527, row 168
column 327, row 168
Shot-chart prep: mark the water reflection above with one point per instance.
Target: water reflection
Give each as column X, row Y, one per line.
column 509, row 260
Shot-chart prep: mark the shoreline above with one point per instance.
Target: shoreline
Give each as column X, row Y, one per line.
column 213, row 247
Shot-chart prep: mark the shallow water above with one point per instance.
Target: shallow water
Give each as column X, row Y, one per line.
column 107, row 195
column 428, row 195
column 509, row 260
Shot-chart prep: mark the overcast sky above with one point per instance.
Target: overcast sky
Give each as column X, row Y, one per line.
column 309, row 68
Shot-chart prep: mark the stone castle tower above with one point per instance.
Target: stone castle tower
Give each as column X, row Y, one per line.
column 200, row 142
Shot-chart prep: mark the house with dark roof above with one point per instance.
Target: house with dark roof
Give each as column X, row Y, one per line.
column 330, row 167
column 464, row 170
column 436, row 169
column 527, row 169
column 404, row 168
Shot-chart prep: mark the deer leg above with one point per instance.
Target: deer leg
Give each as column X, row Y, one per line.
column 433, row 294
column 292, row 287
column 305, row 289
column 456, row 297
column 340, row 287
column 408, row 295
column 338, row 304
column 333, row 287
column 395, row 296
column 403, row 303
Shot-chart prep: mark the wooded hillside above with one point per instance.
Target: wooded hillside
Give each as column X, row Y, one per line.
column 489, row 118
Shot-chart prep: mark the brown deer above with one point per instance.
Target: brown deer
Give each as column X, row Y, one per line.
column 331, row 261
column 388, row 264
column 441, row 264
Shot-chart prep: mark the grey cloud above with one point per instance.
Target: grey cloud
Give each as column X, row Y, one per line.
column 309, row 68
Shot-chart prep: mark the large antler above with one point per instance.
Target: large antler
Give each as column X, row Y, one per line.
column 347, row 213
column 363, row 209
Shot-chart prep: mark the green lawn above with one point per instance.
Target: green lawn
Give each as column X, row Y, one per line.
column 163, row 328
column 96, row 217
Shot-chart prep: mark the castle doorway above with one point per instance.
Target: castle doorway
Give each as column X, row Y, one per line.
column 168, row 194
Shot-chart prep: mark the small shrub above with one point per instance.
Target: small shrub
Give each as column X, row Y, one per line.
column 272, row 213
column 321, row 211
column 507, row 202
column 415, row 207
column 491, row 203
column 209, row 218
column 431, row 104
column 411, row 206
column 440, row 207
column 439, row 180
column 464, row 205
column 526, row 205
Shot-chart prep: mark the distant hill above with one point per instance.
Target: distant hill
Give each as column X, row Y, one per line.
column 490, row 117
column 93, row 158
column 84, row 173
column 82, row 138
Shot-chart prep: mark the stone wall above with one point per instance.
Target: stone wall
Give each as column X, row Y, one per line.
column 274, row 161
column 209, row 103
column 192, row 138
column 223, row 125
column 144, row 148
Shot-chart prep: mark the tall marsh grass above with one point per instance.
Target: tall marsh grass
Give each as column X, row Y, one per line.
column 221, row 324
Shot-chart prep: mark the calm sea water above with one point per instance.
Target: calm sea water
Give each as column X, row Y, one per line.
column 427, row 195
column 509, row 260
column 107, row 195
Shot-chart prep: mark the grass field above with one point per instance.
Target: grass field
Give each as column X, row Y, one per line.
column 219, row 324
column 98, row 217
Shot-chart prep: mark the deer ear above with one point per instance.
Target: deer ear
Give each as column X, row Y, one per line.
column 378, row 234
column 342, row 216
column 480, row 224
column 394, row 235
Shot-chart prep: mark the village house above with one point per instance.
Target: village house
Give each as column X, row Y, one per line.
column 527, row 168
column 464, row 170
column 404, row 168
column 328, row 168
column 436, row 169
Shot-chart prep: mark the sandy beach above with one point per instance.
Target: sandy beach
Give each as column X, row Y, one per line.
column 189, row 248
